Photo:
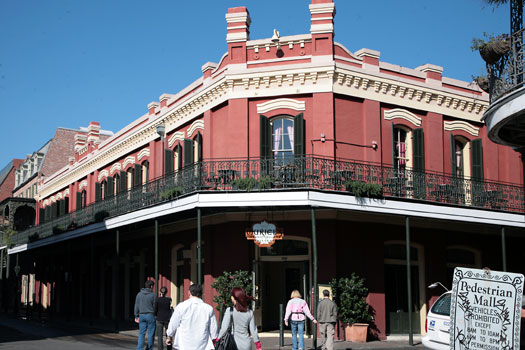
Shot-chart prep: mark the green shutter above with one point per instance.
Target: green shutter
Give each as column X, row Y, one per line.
column 109, row 187
column 41, row 218
column 79, row 201
column 476, row 154
column 54, row 210
column 394, row 165
column 137, row 175
column 418, row 153
column 453, row 169
column 199, row 150
column 98, row 192
column 298, row 135
column 188, row 152
column 123, row 181
column 61, row 207
column 168, row 161
column 265, row 141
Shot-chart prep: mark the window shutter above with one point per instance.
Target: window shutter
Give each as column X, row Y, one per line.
column 199, row 142
column 41, row 214
column 394, row 164
column 79, row 201
column 123, row 181
column 98, row 192
column 137, row 175
column 298, row 135
column 476, row 154
column 419, row 150
column 264, row 128
column 188, row 152
column 109, row 187
column 168, row 161
column 453, row 169
column 54, row 210
column 46, row 213
column 61, row 207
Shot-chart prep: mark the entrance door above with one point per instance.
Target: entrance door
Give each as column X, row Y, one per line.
column 397, row 299
column 279, row 279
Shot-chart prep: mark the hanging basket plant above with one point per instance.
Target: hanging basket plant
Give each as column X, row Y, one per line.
column 492, row 48
column 483, row 82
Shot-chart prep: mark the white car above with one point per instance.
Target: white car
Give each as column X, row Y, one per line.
column 438, row 324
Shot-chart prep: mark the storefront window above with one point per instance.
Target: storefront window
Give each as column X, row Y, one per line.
column 286, row 247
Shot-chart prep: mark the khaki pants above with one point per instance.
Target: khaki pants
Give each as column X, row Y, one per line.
column 327, row 331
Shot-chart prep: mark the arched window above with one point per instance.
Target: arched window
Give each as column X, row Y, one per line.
column 401, row 148
column 466, row 157
column 282, row 139
column 130, row 177
column 83, row 199
column 197, row 148
column 116, row 184
column 145, row 172
column 177, row 157
column 103, row 189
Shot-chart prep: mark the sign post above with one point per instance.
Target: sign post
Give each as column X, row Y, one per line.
column 486, row 310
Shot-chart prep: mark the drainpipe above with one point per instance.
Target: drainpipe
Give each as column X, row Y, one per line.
column 314, row 252
column 409, row 284
column 199, row 247
column 503, row 249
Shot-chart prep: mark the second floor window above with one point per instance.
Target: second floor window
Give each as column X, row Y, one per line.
column 400, row 148
column 282, row 140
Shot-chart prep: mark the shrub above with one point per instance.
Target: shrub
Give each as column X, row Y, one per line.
column 265, row 182
column 224, row 284
column 350, row 296
column 364, row 189
column 245, row 183
column 171, row 193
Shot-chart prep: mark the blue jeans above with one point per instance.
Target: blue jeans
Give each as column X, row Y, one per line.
column 297, row 326
column 146, row 321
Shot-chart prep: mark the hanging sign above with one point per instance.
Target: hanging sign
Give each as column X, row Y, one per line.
column 264, row 234
column 486, row 310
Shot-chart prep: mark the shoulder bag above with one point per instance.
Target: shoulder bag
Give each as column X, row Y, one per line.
column 226, row 342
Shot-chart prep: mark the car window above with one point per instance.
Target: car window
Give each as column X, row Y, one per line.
column 442, row 305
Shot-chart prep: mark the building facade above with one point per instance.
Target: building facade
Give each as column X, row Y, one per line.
column 362, row 165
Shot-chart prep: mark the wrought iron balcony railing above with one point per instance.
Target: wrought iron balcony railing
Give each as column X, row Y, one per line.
column 300, row 173
column 506, row 75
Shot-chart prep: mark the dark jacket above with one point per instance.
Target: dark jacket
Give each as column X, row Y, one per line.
column 144, row 302
column 326, row 311
column 163, row 309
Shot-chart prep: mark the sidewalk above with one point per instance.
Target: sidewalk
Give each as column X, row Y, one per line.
column 269, row 340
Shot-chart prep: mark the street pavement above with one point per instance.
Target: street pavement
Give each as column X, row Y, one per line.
column 32, row 335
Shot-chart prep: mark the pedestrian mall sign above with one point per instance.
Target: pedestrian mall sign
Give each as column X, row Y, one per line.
column 486, row 310
column 264, row 234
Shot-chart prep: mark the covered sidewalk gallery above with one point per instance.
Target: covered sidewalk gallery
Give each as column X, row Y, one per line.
column 94, row 272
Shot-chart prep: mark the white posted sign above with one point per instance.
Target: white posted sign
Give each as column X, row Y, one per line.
column 485, row 313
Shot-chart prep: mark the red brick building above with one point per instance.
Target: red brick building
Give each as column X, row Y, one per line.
column 353, row 159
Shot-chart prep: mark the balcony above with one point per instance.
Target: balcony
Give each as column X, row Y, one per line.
column 306, row 173
column 505, row 118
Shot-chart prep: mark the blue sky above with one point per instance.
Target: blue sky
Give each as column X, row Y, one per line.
column 68, row 62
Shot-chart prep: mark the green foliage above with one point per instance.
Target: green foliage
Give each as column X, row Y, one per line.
column 8, row 234
column 350, row 296
column 226, row 282
column 101, row 215
column 265, row 182
column 478, row 44
column 364, row 189
column 245, row 183
column 171, row 193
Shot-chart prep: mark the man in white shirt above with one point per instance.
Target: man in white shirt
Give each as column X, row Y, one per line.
column 193, row 323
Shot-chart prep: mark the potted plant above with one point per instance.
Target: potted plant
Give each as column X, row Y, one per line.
column 491, row 48
column 265, row 182
column 171, row 193
column 224, row 284
column 350, row 296
column 483, row 82
column 244, row 183
column 364, row 189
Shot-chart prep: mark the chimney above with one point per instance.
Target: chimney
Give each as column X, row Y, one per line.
column 238, row 20
column 322, row 28
column 152, row 107
column 93, row 132
column 80, row 141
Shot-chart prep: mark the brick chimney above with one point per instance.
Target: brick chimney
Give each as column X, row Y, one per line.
column 322, row 28
column 238, row 20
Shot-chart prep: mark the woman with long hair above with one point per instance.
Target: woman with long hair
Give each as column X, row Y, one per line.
column 297, row 310
column 243, row 320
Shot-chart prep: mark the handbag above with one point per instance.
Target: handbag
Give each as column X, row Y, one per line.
column 226, row 342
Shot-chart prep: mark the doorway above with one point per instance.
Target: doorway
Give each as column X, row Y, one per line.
column 282, row 268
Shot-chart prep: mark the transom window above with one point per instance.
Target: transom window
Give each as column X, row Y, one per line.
column 282, row 140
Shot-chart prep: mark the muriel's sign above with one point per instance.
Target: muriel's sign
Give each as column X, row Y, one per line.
column 486, row 310
column 264, row 234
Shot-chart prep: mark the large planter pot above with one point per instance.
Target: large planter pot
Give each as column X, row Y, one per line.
column 494, row 50
column 356, row 332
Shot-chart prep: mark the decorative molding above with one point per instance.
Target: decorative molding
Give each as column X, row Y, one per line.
column 198, row 124
column 66, row 193
column 82, row 184
column 114, row 168
column 46, row 202
column 102, row 174
column 178, row 136
column 127, row 161
column 59, row 196
column 461, row 125
column 281, row 103
column 399, row 113
column 143, row 153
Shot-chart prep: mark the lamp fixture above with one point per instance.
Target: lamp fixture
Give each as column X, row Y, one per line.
column 276, row 40
column 161, row 130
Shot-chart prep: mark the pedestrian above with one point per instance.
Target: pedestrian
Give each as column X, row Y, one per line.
column 193, row 323
column 243, row 321
column 327, row 317
column 144, row 309
column 163, row 315
column 297, row 310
